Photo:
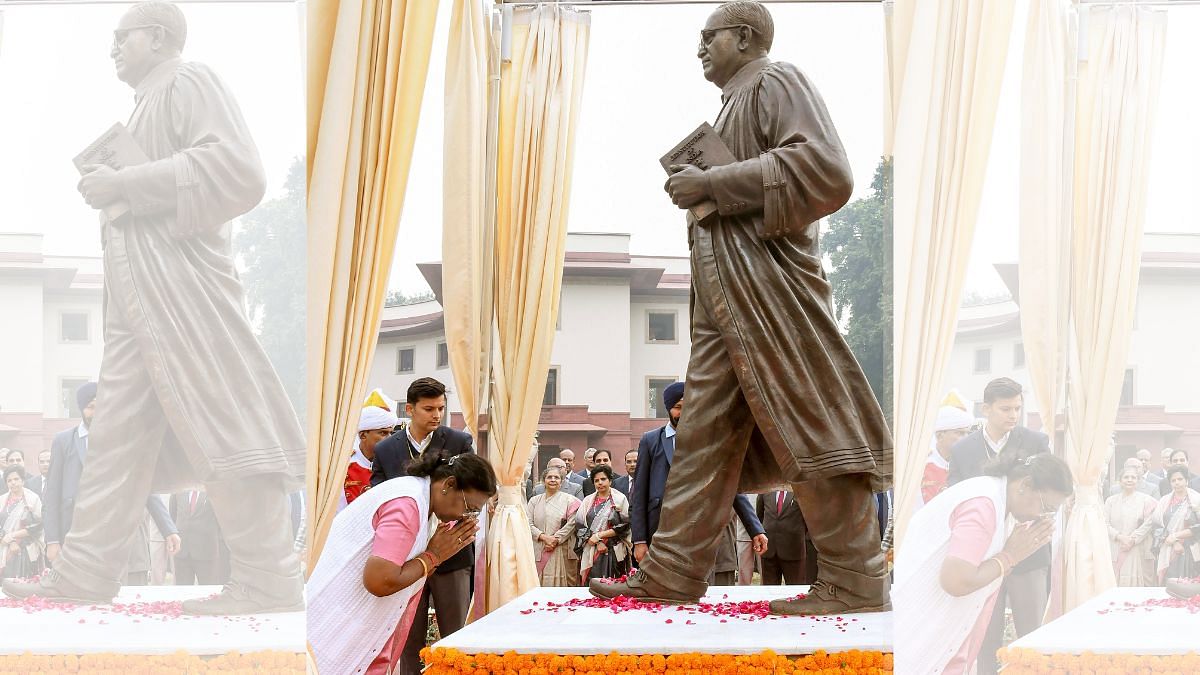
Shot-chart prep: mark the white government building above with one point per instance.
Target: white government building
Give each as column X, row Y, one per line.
column 622, row 338
column 602, row 392
column 1160, row 401
column 51, row 341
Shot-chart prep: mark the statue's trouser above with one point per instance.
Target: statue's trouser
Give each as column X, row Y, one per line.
column 714, row 434
column 124, row 444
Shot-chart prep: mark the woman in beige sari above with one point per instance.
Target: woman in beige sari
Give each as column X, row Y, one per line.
column 1125, row 512
column 552, row 516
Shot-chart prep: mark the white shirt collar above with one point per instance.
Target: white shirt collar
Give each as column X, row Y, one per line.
column 419, row 446
column 83, row 430
column 996, row 446
column 670, row 431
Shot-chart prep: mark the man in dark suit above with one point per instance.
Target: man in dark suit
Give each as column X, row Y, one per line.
column 68, row 452
column 449, row 586
column 567, row 455
column 1178, row 458
column 791, row 558
column 589, row 461
column 38, row 482
column 573, row 489
column 599, row 458
column 1002, row 404
column 656, row 451
column 1027, row 588
column 622, row 482
column 17, row 458
column 203, row 559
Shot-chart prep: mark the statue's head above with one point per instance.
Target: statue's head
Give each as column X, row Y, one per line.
column 735, row 34
column 148, row 34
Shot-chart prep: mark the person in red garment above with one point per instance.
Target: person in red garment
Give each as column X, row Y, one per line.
column 375, row 423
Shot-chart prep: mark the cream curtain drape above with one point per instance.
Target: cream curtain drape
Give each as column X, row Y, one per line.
column 367, row 65
column 540, row 94
column 953, row 60
column 468, row 217
column 1117, row 97
column 468, row 208
column 1047, row 103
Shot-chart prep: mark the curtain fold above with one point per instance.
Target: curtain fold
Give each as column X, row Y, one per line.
column 1116, row 101
column 367, row 65
column 540, row 94
column 467, row 208
column 949, row 73
column 468, row 219
column 1047, row 108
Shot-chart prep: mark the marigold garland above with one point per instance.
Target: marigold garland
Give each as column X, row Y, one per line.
column 107, row 663
column 443, row 661
column 1029, row 662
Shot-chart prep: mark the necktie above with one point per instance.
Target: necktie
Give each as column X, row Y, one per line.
column 779, row 504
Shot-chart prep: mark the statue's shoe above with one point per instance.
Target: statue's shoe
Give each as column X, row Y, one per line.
column 52, row 586
column 825, row 598
column 638, row 587
column 1184, row 589
column 235, row 599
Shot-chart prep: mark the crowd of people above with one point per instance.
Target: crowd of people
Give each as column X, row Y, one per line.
column 1154, row 520
column 179, row 541
column 585, row 524
column 992, row 506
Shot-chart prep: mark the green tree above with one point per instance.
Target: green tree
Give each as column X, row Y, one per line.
column 859, row 244
column 398, row 298
column 271, row 243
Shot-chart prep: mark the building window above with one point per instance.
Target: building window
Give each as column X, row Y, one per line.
column 73, row 327
column 983, row 360
column 654, row 396
column 660, row 326
column 443, row 355
column 1019, row 355
column 405, row 358
column 1127, row 388
column 551, row 395
column 67, row 388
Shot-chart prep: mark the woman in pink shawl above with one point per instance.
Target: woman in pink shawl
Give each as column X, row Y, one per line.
column 958, row 550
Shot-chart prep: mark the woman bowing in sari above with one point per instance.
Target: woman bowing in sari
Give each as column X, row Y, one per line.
column 365, row 588
column 957, row 554
column 603, row 530
column 552, row 516
column 1125, row 513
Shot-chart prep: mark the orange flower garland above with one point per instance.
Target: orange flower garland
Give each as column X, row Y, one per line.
column 270, row 662
column 453, row 662
column 1029, row 662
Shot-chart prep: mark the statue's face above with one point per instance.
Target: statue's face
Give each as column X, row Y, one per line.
column 719, row 52
column 135, row 48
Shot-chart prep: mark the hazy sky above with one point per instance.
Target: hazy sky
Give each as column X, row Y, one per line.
column 644, row 91
column 60, row 91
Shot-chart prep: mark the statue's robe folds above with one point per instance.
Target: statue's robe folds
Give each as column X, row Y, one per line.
column 757, row 272
column 171, row 280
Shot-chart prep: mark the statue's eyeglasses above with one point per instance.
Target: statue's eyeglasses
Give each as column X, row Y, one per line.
column 707, row 35
column 120, row 34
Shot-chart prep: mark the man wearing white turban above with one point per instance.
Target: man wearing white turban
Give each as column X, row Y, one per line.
column 374, row 425
column 952, row 424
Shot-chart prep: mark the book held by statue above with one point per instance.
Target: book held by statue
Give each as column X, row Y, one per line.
column 702, row 148
column 117, row 149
